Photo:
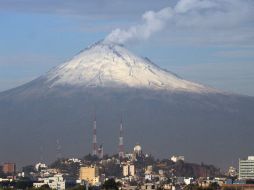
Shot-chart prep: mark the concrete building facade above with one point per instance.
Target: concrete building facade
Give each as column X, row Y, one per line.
column 55, row 182
column 9, row 168
column 128, row 170
column 246, row 168
column 89, row 174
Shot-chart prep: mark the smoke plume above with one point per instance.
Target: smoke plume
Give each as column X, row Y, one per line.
column 191, row 13
column 152, row 22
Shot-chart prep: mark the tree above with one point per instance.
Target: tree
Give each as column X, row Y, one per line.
column 91, row 158
column 44, row 187
column 28, row 169
column 2, row 174
column 111, row 184
column 78, row 187
column 214, row 186
column 23, row 184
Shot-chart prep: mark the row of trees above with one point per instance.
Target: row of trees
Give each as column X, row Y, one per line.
column 212, row 186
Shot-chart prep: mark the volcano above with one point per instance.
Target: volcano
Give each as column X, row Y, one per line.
column 110, row 65
column 163, row 112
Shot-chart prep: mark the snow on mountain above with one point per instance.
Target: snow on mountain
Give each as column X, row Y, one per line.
column 110, row 65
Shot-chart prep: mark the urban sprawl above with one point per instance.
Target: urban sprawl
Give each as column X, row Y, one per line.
column 126, row 171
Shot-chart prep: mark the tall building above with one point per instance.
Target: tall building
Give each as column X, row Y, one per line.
column 100, row 152
column 128, row 170
column 125, row 170
column 89, row 174
column 94, row 152
column 131, row 170
column 246, row 168
column 9, row 168
column 121, row 147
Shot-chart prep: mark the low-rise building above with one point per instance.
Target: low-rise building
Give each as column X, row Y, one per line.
column 56, row 182
column 40, row 166
column 149, row 186
column 9, row 168
column 74, row 160
column 177, row 158
column 237, row 186
column 149, row 169
column 188, row 180
column 6, row 180
column 168, row 186
column 90, row 174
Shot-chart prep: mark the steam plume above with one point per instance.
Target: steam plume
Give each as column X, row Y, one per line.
column 185, row 12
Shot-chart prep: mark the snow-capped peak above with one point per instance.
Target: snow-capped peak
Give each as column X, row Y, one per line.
column 110, row 65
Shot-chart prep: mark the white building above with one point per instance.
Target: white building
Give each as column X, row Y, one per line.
column 149, row 169
column 100, row 152
column 125, row 170
column 44, row 173
column 129, row 156
column 177, row 158
column 188, row 180
column 149, row 177
column 232, row 172
column 132, row 170
column 74, row 160
column 40, row 166
column 56, row 182
column 5, row 180
column 137, row 150
column 128, row 170
column 246, row 168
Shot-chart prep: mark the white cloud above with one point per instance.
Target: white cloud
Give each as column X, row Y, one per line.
column 198, row 21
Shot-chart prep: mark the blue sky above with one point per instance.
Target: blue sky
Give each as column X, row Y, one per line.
column 207, row 41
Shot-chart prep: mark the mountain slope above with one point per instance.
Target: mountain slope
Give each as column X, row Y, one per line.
column 111, row 65
column 164, row 113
